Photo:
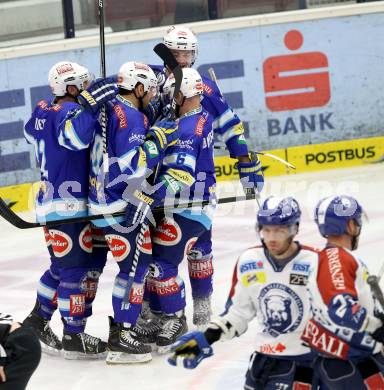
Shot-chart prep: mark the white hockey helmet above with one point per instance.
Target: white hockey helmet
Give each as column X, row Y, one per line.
column 181, row 38
column 191, row 85
column 66, row 73
column 132, row 73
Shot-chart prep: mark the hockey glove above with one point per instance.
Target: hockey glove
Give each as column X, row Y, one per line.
column 152, row 111
column 189, row 350
column 378, row 334
column 100, row 92
column 164, row 134
column 251, row 176
column 139, row 209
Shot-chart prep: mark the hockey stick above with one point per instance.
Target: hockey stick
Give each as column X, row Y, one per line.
column 373, row 282
column 289, row 165
column 11, row 217
column 169, row 60
column 249, row 192
column 103, row 116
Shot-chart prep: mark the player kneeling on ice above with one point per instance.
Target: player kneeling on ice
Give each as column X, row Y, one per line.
column 269, row 284
column 188, row 170
column 344, row 330
column 71, row 281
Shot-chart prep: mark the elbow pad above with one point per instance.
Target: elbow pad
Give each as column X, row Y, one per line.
column 344, row 310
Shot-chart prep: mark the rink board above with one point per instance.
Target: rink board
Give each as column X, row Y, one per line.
column 306, row 158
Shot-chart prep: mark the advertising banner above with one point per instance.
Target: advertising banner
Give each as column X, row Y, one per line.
column 293, row 83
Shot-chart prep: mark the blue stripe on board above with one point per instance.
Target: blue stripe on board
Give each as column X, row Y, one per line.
column 12, row 98
column 224, row 70
column 15, row 162
column 234, row 99
column 39, row 93
column 11, row 130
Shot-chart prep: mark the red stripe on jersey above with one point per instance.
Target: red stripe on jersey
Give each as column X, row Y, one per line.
column 234, row 281
column 336, row 274
column 310, row 248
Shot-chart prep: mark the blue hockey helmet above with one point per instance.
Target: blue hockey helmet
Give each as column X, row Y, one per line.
column 333, row 213
column 279, row 211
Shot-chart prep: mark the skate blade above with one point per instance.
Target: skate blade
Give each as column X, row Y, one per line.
column 127, row 358
column 163, row 349
column 48, row 350
column 73, row 355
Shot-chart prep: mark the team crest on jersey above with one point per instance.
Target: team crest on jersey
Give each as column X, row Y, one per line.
column 167, row 233
column 282, row 309
column 118, row 245
column 85, row 239
column 61, row 242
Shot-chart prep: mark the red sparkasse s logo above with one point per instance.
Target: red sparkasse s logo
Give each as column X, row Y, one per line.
column 295, row 81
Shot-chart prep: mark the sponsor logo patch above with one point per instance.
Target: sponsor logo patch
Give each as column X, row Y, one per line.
column 146, row 245
column 252, row 265
column 61, row 242
column 85, row 239
column 120, row 116
column 136, row 294
column 300, row 267
column 253, row 277
column 118, row 245
column 322, row 340
column 76, row 304
column 167, row 233
column 298, row 279
column 272, row 349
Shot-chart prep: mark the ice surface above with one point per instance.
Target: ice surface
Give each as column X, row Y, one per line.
column 23, row 258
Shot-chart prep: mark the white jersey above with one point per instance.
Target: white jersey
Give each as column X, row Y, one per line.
column 277, row 298
column 343, row 306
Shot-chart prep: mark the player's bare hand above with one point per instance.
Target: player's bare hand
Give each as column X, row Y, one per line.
column 3, row 378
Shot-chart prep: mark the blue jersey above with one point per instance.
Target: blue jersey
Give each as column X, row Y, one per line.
column 63, row 188
column 130, row 156
column 226, row 124
column 188, row 166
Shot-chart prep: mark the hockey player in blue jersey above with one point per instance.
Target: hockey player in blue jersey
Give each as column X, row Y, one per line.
column 70, row 283
column 133, row 150
column 227, row 125
column 177, row 232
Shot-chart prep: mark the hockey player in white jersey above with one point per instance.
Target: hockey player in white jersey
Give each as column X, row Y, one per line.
column 269, row 284
column 347, row 328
